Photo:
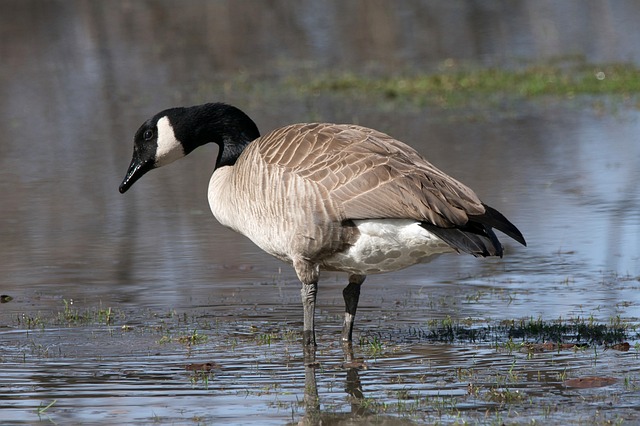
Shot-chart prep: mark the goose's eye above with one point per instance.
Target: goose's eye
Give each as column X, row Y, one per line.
column 147, row 135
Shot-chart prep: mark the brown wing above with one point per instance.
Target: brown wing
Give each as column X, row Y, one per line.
column 367, row 174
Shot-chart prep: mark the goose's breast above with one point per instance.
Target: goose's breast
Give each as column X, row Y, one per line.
column 386, row 245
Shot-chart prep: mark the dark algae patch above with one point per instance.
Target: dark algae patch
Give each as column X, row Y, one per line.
column 572, row 333
column 576, row 331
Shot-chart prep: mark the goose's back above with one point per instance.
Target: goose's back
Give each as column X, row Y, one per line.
column 370, row 174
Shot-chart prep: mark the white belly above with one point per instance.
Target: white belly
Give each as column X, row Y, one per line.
column 386, row 245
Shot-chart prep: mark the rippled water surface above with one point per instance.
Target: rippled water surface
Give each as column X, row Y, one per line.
column 141, row 309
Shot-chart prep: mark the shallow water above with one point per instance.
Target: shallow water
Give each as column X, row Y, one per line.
column 107, row 288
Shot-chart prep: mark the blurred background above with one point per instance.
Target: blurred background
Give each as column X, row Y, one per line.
column 79, row 77
column 100, row 283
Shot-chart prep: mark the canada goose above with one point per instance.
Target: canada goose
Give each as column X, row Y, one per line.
column 338, row 197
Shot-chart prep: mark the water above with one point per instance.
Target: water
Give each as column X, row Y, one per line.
column 79, row 77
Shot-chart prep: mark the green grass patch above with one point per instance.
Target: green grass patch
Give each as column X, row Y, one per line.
column 69, row 316
column 453, row 85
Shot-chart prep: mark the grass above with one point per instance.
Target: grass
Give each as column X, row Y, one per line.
column 42, row 409
column 512, row 335
column 371, row 345
column 201, row 377
column 454, row 85
column 448, row 85
column 193, row 338
column 189, row 338
column 270, row 334
column 70, row 315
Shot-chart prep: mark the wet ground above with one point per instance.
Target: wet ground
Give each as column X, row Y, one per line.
column 141, row 309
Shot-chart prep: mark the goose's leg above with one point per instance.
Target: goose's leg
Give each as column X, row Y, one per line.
column 308, row 274
column 351, row 294
column 308, row 293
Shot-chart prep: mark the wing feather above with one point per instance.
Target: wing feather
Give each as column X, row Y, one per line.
column 369, row 175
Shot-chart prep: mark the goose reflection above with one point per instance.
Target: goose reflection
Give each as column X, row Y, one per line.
column 353, row 388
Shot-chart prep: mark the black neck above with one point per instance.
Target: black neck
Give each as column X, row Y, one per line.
column 222, row 124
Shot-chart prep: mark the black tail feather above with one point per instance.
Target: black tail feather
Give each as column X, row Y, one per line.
column 476, row 237
column 494, row 219
column 473, row 241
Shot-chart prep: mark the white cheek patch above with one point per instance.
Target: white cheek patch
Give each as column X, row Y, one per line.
column 169, row 148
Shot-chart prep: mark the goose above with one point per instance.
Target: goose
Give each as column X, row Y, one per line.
column 323, row 196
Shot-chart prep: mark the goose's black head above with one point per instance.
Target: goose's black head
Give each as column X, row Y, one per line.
column 175, row 132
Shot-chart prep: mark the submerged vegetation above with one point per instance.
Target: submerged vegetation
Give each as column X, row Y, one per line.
column 580, row 331
column 496, row 373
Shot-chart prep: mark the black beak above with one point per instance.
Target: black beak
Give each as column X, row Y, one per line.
column 137, row 168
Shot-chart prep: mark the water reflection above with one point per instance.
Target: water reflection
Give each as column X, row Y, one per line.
column 313, row 414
